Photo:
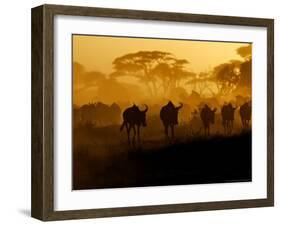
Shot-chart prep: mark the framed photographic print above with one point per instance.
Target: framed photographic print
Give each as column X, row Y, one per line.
column 141, row 112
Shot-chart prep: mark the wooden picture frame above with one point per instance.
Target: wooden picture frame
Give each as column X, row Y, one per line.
column 42, row 204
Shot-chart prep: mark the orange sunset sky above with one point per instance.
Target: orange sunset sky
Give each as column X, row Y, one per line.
column 96, row 53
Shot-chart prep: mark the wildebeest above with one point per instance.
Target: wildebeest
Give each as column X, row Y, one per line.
column 87, row 112
column 99, row 114
column 169, row 117
column 195, row 124
column 227, row 113
column 208, row 117
column 245, row 114
column 134, row 118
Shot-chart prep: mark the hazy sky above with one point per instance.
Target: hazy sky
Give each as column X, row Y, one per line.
column 98, row 52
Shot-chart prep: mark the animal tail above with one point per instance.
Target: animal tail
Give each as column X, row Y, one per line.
column 122, row 126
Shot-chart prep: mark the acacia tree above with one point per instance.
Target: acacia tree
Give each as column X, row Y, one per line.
column 246, row 74
column 245, row 52
column 159, row 71
column 231, row 76
column 201, row 83
column 246, row 67
column 171, row 73
column 83, row 79
column 226, row 77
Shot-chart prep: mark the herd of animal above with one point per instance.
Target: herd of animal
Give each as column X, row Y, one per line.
column 134, row 118
column 98, row 114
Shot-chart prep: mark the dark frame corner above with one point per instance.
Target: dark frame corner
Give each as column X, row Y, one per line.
column 42, row 203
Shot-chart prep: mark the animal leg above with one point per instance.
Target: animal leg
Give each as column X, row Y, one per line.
column 243, row 123
column 166, row 131
column 128, row 132
column 226, row 127
column 134, row 130
column 172, row 130
column 138, row 131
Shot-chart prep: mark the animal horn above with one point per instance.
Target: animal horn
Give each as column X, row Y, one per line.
column 180, row 106
column 146, row 108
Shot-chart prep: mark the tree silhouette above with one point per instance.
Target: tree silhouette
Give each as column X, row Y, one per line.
column 157, row 70
column 83, row 79
column 245, row 52
column 226, row 77
column 234, row 75
column 246, row 74
column 201, row 83
column 88, row 85
column 246, row 66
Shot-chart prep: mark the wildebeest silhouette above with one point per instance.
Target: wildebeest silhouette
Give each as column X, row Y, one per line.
column 227, row 113
column 169, row 117
column 134, row 118
column 245, row 114
column 100, row 114
column 87, row 112
column 208, row 117
column 195, row 124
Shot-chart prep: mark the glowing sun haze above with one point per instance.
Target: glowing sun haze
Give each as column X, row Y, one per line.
column 98, row 52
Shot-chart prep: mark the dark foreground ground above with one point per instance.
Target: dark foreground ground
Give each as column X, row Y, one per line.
column 202, row 160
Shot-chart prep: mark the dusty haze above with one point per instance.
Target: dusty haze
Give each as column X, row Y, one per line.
column 97, row 79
